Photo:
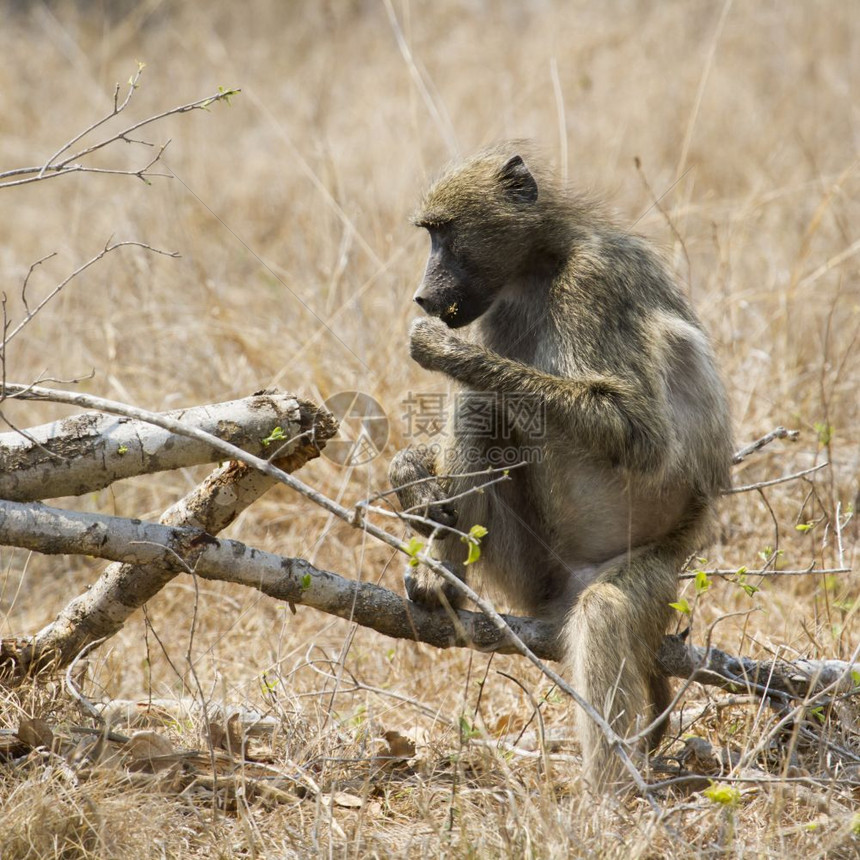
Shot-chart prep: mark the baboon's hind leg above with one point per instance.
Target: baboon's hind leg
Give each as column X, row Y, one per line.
column 612, row 635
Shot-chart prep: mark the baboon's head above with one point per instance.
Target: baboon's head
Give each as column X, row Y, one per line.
column 485, row 218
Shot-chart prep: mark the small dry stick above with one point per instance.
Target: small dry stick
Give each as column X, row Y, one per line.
column 778, row 433
column 58, row 288
column 72, row 688
column 774, row 481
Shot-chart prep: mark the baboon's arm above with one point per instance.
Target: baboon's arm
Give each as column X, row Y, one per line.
column 610, row 415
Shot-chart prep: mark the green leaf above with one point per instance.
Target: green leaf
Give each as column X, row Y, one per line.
column 473, row 539
column 803, row 527
column 855, row 677
column 824, row 431
column 702, row 582
column 412, row 548
column 683, row 606
column 474, row 553
column 742, row 582
column 767, row 553
column 723, row 795
column 467, row 729
column 306, row 582
column 227, row 94
column 277, row 435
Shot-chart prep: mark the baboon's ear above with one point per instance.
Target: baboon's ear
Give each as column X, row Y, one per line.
column 518, row 181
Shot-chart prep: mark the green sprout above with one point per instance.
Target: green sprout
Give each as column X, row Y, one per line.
column 702, row 582
column 683, row 606
column 742, row 582
column 412, row 549
column 277, row 435
column 723, row 795
column 473, row 539
column 824, row 431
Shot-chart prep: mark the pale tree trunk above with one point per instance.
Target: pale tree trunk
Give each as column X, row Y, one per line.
column 174, row 550
column 90, row 451
column 209, row 508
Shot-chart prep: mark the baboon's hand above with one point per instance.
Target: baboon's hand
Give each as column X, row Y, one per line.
column 427, row 588
column 431, row 343
column 420, row 492
column 427, row 500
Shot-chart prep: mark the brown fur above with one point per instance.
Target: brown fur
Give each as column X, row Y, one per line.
column 585, row 321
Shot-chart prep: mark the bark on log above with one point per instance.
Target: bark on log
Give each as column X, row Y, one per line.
column 210, row 507
column 90, row 451
column 776, row 679
column 50, row 530
column 294, row 580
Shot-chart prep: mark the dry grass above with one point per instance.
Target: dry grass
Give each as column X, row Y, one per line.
column 290, row 210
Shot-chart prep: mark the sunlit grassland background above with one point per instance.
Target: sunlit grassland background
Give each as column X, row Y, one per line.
column 727, row 134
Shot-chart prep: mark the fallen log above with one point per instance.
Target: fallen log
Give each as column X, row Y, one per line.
column 90, row 451
column 297, row 582
column 129, row 583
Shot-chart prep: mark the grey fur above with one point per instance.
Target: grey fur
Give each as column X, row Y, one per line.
column 585, row 319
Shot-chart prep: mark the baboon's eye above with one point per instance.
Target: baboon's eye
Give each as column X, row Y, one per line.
column 432, row 225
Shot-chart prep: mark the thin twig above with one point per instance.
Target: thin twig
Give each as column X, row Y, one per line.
column 71, row 163
column 72, row 688
column 536, row 712
column 117, row 109
column 58, row 288
column 777, row 433
column 811, row 570
column 381, row 494
column 784, row 479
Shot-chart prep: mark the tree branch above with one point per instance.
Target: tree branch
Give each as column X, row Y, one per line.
column 180, row 549
column 63, row 161
column 776, row 433
column 505, row 632
column 108, row 248
column 776, row 679
column 87, row 452
column 176, row 550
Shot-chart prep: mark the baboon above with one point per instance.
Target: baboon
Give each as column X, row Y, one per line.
column 583, row 323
